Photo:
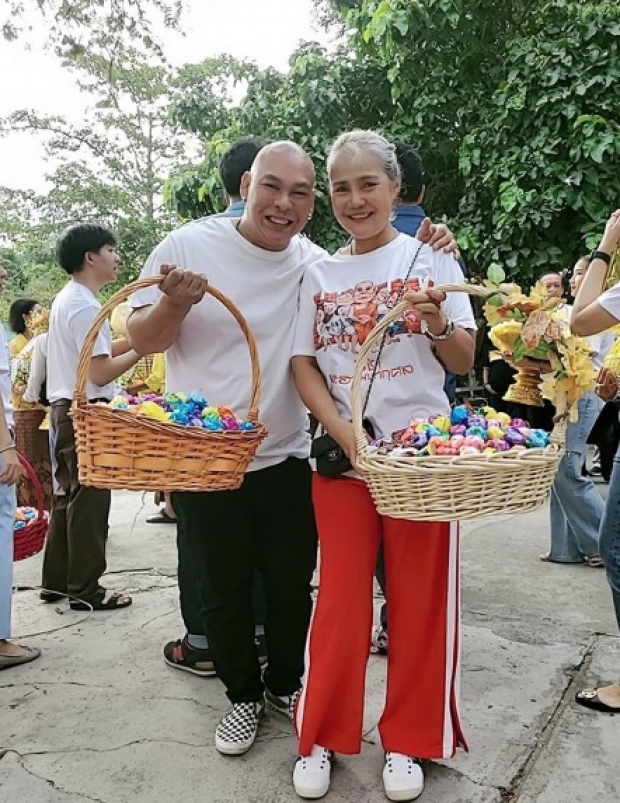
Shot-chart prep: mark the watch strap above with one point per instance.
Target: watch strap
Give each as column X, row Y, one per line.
column 447, row 332
column 602, row 255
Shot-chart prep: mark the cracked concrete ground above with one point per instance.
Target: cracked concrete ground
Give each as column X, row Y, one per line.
column 101, row 718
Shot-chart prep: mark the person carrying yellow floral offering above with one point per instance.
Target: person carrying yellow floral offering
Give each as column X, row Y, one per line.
column 533, row 333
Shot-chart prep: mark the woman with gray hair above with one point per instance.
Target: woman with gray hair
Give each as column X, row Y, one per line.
column 421, row 718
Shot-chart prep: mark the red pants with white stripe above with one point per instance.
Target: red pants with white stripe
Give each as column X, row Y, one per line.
column 422, row 569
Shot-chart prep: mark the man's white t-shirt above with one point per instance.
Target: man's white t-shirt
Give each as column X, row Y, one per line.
column 358, row 290
column 211, row 355
column 5, row 378
column 73, row 312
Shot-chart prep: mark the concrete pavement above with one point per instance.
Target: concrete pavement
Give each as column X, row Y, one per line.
column 101, row 718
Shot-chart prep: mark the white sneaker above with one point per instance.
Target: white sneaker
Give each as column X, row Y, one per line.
column 403, row 778
column 311, row 775
column 238, row 728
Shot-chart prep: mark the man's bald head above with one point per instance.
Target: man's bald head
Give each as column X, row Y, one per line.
column 279, row 190
column 283, row 150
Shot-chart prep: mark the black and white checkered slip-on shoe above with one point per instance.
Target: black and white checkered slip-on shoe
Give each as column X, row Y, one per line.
column 238, row 728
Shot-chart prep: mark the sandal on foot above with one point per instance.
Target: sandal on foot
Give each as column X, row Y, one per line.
column 589, row 699
column 51, row 596
column 181, row 655
column 161, row 518
column 104, row 600
column 595, row 562
column 546, row 558
column 28, row 654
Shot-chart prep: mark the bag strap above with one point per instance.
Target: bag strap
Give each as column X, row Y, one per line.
column 386, row 333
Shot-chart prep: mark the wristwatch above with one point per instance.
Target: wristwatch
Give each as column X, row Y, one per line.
column 602, row 255
column 447, row 332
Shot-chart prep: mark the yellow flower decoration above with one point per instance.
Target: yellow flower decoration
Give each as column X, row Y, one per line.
column 536, row 327
column 40, row 322
column 504, row 335
column 612, row 358
column 574, row 375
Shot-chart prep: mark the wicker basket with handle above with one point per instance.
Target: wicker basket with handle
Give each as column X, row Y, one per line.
column 29, row 540
column 119, row 449
column 440, row 488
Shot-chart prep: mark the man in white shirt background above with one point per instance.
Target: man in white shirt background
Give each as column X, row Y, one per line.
column 74, row 558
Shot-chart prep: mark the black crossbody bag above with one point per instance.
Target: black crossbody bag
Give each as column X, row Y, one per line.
column 331, row 460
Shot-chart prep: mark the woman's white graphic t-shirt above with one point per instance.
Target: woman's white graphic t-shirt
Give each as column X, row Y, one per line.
column 343, row 297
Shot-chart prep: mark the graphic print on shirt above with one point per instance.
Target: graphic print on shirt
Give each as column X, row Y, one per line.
column 345, row 318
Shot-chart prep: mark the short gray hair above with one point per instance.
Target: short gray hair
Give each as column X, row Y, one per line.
column 358, row 142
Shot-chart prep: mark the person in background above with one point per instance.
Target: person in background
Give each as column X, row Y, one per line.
column 10, row 472
column 236, row 161
column 30, row 409
column 497, row 377
column 20, row 313
column 554, row 284
column 576, row 507
column 596, row 310
column 192, row 653
column 75, row 550
column 409, row 214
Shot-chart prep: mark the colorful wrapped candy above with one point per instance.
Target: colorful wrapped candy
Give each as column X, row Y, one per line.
column 185, row 409
column 23, row 517
column 463, row 432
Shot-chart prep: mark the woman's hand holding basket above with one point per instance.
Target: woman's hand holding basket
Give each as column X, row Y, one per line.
column 428, row 306
column 342, row 432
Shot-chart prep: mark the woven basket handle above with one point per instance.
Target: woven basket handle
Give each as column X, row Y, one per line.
column 393, row 315
column 122, row 295
column 34, row 480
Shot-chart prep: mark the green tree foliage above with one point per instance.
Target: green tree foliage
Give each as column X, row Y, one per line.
column 77, row 26
column 322, row 94
column 542, row 165
column 26, row 250
column 110, row 168
column 512, row 101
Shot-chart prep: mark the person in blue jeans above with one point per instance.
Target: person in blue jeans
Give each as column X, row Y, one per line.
column 595, row 311
column 576, row 506
column 10, row 471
